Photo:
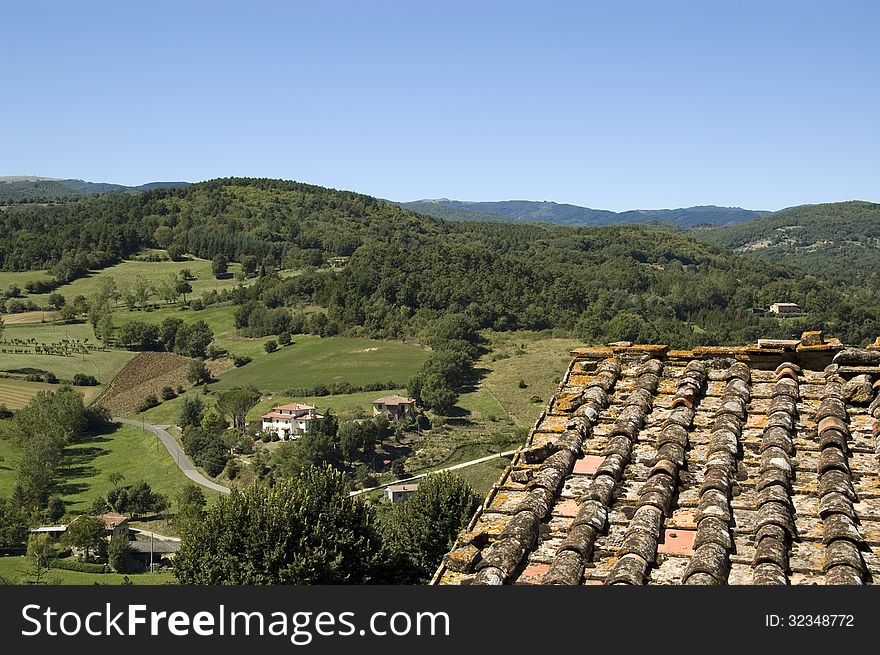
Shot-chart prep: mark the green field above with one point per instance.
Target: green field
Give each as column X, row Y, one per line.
column 127, row 273
column 218, row 318
column 497, row 404
column 15, row 394
column 138, row 455
column 311, row 360
column 8, row 278
column 103, row 364
column 14, row 569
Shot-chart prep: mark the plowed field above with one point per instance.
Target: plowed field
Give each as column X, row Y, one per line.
column 147, row 373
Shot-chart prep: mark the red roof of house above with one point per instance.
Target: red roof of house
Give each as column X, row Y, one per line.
column 293, row 407
column 296, row 418
column 112, row 520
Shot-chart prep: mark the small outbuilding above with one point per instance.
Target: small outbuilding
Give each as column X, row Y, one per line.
column 55, row 532
column 397, row 492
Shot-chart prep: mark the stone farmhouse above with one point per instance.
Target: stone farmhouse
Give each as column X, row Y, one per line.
column 395, row 407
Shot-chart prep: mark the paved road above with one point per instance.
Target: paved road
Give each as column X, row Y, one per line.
column 177, row 454
column 455, row 467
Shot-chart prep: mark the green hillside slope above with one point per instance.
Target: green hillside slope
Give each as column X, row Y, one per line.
column 834, row 239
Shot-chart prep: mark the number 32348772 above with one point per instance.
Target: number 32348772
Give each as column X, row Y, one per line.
column 809, row 620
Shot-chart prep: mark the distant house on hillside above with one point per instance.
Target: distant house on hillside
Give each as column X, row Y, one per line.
column 780, row 308
column 397, row 492
column 395, row 407
column 291, row 420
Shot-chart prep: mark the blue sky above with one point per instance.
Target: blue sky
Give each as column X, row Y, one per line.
column 614, row 105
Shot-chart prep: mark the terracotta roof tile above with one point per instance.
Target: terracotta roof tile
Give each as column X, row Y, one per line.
column 748, row 465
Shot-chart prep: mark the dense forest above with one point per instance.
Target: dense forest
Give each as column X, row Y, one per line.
column 642, row 283
column 839, row 240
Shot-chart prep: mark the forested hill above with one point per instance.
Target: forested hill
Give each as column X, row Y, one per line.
column 524, row 211
column 405, row 270
column 836, row 239
column 21, row 189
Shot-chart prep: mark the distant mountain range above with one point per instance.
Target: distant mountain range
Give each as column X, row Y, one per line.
column 23, row 188
column 525, row 211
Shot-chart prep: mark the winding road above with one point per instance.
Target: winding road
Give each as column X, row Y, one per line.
column 190, row 471
column 177, row 454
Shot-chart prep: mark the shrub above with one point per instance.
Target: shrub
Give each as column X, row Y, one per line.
column 241, row 360
column 147, row 403
column 5, row 412
column 284, row 338
column 270, row 346
column 119, row 555
column 168, row 393
column 84, row 380
column 198, row 373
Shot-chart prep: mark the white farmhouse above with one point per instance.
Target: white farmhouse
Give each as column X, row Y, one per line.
column 291, row 420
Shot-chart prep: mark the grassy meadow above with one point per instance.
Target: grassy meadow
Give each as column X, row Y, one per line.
column 15, row 571
column 126, row 274
column 536, row 360
column 103, row 364
column 128, row 450
column 311, row 360
column 15, row 394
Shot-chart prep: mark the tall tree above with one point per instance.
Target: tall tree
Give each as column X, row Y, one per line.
column 312, row 449
column 306, row 530
column 236, row 403
column 43, row 429
column 191, row 410
column 86, row 533
column 422, row 529
column 190, row 505
column 183, row 287
column 220, row 266
column 193, row 340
